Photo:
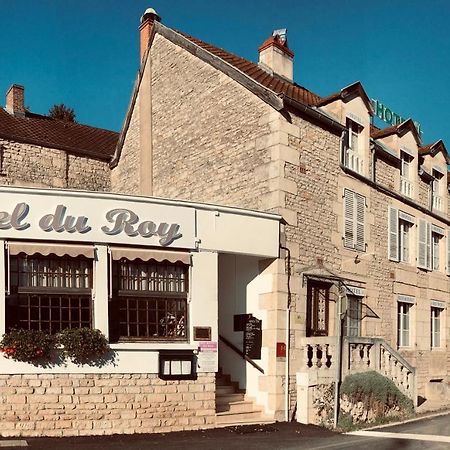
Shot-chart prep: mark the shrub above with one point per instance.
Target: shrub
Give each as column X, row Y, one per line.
column 27, row 345
column 83, row 345
column 371, row 397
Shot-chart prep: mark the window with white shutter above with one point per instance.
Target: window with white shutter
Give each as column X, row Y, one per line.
column 354, row 220
column 393, row 234
column 424, row 245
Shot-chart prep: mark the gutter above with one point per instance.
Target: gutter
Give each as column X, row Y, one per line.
column 392, row 194
column 314, row 113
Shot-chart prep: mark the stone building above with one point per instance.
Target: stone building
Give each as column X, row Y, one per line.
column 366, row 211
column 354, row 277
column 36, row 150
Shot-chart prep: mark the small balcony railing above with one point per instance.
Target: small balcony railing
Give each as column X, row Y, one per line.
column 406, row 187
column 437, row 202
column 353, row 161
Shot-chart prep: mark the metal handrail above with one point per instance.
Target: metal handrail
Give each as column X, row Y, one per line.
column 240, row 353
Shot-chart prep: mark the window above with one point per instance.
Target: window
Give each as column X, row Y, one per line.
column 436, row 326
column 352, row 322
column 403, row 324
column 352, row 152
column 435, row 250
column 400, row 230
column 437, row 200
column 149, row 301
column 404, row 241
column 406, row 186
column 49, row 293
column 317, row 311
column 354, row 220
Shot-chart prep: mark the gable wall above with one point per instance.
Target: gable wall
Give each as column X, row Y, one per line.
column 208, row 132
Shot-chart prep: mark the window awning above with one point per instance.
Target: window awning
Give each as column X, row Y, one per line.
column 30, row 248
column 131, row 253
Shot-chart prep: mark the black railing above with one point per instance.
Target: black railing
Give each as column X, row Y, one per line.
column 240, row 353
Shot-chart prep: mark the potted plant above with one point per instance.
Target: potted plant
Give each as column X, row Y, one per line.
column 27, row 345
column 83, row 345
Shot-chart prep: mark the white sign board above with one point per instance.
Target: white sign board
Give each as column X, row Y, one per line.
column 86, row 217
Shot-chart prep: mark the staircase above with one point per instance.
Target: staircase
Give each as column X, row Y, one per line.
column 233, row 407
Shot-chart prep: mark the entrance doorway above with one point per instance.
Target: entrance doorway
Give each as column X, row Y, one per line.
column 317, row 308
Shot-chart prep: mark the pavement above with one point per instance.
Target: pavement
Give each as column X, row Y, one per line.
column 432, row 432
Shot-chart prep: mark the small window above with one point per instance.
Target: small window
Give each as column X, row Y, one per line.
column 352, row 322
column 436, row 327
column 352, row 153
column 403, row 324
column 406, row 186
column 149, row 301
column 404, row 241
column 49, row 293
column 437, row 190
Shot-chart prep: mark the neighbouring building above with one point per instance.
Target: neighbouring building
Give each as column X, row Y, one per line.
column 313, row 224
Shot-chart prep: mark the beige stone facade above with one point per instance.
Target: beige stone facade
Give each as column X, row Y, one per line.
column 213, row 140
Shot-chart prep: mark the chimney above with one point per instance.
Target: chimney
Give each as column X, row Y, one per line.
column 145, row 29
column 275, row 55
column 15, row 104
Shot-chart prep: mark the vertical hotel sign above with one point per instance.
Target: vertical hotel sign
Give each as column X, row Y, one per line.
column 387, row 115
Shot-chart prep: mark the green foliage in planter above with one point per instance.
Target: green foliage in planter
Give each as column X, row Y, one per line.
column 371, row 387
column 83, row 345
column 27, row 345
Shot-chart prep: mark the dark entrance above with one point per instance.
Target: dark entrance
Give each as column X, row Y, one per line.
column 317, row 308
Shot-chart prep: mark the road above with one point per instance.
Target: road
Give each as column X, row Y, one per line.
column 429, row 433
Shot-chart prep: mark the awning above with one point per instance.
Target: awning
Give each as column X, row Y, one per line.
column 30, row 248
column 131, row 253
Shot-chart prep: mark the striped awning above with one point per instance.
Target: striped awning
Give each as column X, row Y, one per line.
column 132, row 253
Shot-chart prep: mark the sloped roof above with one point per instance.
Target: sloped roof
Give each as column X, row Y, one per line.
column 273, row 82
column 433, row 149
column 69, row 136
column 399, row 129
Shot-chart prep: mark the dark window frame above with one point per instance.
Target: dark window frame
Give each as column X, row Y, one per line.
column 49, row 293
column 314, row 289
column 153, row 308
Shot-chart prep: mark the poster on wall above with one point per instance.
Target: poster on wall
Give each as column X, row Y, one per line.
column 207, row 357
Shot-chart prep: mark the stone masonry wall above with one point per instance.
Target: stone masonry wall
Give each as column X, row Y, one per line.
column 87, row 404
column 33, row 165
column 208, row 141
column 125, row 176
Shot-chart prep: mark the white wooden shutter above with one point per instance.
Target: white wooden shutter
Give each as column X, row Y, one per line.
column 448, row 252
column 360, row 213
column 349, row 219
column 422, row 245
column 393, row 234
column 429, row 252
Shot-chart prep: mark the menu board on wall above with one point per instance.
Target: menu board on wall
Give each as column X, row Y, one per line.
column 253, row 338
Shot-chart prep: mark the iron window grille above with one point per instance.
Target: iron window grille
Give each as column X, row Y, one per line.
column 49, row 293
column 149, row 301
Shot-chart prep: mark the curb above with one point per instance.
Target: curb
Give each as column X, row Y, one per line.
column 414, row 419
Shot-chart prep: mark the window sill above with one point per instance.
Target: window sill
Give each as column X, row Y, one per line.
column 153, row 346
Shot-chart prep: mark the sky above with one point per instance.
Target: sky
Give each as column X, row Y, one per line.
column 85, row 53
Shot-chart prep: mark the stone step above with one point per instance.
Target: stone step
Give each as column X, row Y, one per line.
column 262, row 421
column 224, row 390
column 239, row 418
column 238, row 407
column 228, row 398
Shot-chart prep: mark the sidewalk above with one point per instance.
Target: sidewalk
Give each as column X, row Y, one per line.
column 279, row 435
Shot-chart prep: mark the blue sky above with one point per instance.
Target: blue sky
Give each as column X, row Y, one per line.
column 85, row 53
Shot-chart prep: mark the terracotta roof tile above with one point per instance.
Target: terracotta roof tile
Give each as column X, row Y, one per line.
column 272, row 82
column 72, row 137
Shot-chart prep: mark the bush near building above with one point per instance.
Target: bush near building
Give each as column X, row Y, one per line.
column 371, row 397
